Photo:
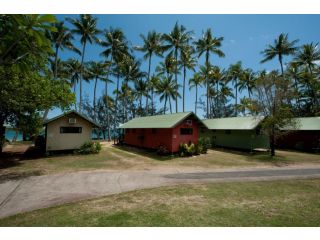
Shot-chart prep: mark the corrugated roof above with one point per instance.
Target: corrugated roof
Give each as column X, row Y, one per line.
column 233, row 123
column 158, row 121
column 305, row 123
column 67, row 113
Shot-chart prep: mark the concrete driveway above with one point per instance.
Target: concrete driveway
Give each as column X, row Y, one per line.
column 44, row 191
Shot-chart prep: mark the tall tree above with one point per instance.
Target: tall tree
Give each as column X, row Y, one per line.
column 247, row 81
column 141, row 90
column 96, row 71
column 206, row 45
column 188, row 62
column 308, row 56
column 176, row 41
column 115, row 47
column 280, row 48
column 86, row 27
column 152, row 45
column 195, row 82
column 153, row 83
column 167, row 90
column 234, row 72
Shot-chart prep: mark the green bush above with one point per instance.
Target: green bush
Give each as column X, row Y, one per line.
column 204, row 144
column 162, row 150
column 89, row 148
column 187, row 150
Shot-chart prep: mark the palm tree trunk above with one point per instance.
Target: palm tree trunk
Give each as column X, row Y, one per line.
column 195, row 106
column 107, row 100
column 94, row 97
column 184, row 86
column 152, row 101
column 236, row 105
column 170, row 105
column 149, row 68
column 82, row 58
column 176, row 75
column 281, row 65
column 207, row 83
column 165, row 105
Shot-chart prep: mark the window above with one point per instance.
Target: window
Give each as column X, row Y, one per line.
column 70, row 129
column 228, row 132
column 154, row 131
column 186, row 131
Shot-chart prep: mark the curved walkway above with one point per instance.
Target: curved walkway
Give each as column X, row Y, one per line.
column 44, row 191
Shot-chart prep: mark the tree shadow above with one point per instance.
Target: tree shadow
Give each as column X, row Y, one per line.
column 145, row 152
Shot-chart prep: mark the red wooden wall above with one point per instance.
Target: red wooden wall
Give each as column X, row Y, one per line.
column 168, row 137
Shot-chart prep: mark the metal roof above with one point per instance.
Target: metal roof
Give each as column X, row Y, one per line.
column 67, row 113
column 305, row 123
column 233, row 123
column 158, row 121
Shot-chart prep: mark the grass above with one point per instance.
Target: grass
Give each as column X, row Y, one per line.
column 128, row 158
column 278, row 203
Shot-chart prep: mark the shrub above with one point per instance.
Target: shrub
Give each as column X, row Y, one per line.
column 186, row 150
column 162, row 150
column 197, row 149
column 204, row 144
column 89, row 148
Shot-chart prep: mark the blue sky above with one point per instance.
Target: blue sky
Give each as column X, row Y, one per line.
column 245, row 36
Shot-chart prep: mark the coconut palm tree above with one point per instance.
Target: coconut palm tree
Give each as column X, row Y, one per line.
column 153, row 83
column 96, row 71
column 188, row 62
column 152, row 45
column 167, row 90
column 60, row 39
column 281, row 47
column 73, row 67
column 308, row 56
column 167, row 67
column 175, row 41
column 207, row 45
column 234, row 73
column 195, row 82
column 86, row 28
column 141, row 90
column 247, row 81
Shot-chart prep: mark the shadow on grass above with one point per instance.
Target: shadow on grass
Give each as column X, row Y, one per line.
column 149, row 153
column 19, row 175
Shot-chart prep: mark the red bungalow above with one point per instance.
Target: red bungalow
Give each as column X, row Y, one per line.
column 162, row 130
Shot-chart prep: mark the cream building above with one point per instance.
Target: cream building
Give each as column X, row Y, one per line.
column 68, row 131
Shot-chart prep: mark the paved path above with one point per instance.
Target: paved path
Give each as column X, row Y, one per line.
column 43, row 191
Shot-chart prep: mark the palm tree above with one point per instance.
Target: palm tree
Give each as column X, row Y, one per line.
column 195, row 81
column 281, row 47
column 152, row 45
column 294, row 73
column 167, row 67
column 167, row 91
column 153, row 83
column 247, row 81
column 96, row 71
column 86, row 28
column 141, row 90
column 206, row 45
column 176, row 41
column 73, row 67
column 60, row 39
column 234, row 73
column 308, row 55
column 187, row 62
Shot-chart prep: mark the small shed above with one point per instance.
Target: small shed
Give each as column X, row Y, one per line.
column 162, row 130
column 236, row 132
column 68, row 131
column 304, row 135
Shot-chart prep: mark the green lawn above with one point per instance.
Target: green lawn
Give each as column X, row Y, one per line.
column 278, row 203
column 128, row 158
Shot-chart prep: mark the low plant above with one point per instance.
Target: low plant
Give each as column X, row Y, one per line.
column 205, row 144
column 187, row 149
column 90, row 148
column 162, row 150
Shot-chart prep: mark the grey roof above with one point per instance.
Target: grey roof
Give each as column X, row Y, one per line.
column 233, row 123
column 304, row 123
column 75, row 112
column 158, row 121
